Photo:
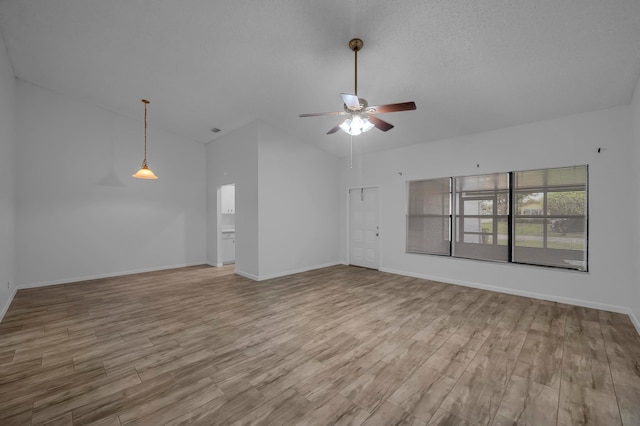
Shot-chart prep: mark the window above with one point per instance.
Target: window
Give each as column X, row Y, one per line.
column 536, row 217
column 482, row 217
column 429, row 217
column 550, row 221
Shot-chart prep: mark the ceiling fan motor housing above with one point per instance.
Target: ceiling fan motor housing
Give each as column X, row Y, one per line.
column 363, row 106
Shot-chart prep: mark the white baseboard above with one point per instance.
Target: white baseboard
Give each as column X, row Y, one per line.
column 285, row 273
column 634, row 320
column 108, row 275
column 296, row 271
column 247, row 275
column 5, row 308
column 541, row 296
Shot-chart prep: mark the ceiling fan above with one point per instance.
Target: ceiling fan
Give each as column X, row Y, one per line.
column 359, row 116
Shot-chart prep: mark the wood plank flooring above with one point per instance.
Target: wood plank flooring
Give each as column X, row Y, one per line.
column 339, row 345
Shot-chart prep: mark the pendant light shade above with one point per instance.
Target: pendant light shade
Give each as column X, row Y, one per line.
column 145, row 172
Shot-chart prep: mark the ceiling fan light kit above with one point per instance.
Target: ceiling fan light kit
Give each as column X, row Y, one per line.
column 356, row 125
column 360, row 116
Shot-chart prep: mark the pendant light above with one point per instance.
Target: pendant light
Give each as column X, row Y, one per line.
column 145, row 172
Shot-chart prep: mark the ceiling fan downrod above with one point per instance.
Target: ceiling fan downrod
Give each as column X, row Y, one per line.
column 356, row 45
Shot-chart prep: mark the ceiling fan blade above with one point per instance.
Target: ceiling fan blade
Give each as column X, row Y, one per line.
column 351, row 101
column 380, row 124
column 318, row 114
column 336, row 127
column 403, row 106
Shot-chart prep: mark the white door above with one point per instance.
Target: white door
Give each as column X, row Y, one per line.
column 363, row 227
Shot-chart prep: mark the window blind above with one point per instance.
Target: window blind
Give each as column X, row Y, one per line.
column 429, row 216
column 550, row 218
column 482, row 217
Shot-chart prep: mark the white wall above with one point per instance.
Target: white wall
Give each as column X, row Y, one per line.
column 610, row 282
column 635, row 108
column 80, row 213
column 286, row 201
column 233, row 158
column 298, row 205
column 7, row 194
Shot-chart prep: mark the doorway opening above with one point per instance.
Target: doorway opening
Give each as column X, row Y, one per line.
column 227, row 226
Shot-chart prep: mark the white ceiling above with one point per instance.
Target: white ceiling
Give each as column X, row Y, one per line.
column 470, row 65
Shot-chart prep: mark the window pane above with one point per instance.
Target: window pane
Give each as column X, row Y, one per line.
column 479, row 183
column 529, row 203
column 529, row 232
column 472, row 238
column 482, row 205
column 559, row 236
column 503, row 231
column 567, row 203
column 429, row 197
column 575, row 176
column 566, row 234
column 472, row 224
column 428, row 235
column 562, row 258
column 429, row 216
column 503, row 203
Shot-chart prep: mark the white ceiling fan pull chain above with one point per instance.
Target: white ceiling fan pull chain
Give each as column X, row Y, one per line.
column 351, row 163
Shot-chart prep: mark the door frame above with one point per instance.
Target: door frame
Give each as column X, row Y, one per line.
column 219, row 262
column 348, row 227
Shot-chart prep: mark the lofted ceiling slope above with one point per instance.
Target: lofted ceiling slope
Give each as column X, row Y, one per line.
column 470, row 65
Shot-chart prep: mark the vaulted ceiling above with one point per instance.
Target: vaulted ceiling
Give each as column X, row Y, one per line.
column 470, row 65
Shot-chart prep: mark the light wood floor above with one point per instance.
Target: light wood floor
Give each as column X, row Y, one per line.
column 340, row 345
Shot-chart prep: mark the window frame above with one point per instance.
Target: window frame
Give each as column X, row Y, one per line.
column 495, row 251
column 410, row 215
column 545, row 216
column 456, row 214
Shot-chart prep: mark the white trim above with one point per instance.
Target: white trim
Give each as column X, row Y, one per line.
column 247, row 275
column 349, row 188
column 219, row 226
column 348, row 225
column 296, row 271
column 110, row 275
column 5, row 308
column 285, row 273
column 219, row 222
column 634, row 320
column 559, row 299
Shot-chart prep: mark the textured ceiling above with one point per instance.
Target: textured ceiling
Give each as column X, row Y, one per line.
column 470, row 66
